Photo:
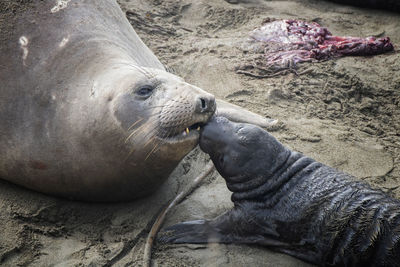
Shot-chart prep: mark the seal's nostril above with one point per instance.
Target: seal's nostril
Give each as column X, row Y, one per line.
column 203, row 103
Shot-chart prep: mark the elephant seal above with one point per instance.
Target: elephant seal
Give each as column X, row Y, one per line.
column 87, row 111
column 293, row 204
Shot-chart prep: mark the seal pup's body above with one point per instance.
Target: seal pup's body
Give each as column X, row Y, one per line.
column 293, row 204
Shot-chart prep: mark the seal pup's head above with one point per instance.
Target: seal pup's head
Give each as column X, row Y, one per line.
column 241, row 151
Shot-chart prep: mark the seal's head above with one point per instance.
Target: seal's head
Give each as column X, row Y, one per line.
column 162, row 116
column 164, row 107
column 239, row 150
column 142, row 122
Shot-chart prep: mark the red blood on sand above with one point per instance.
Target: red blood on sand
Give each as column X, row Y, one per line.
column 301, row 41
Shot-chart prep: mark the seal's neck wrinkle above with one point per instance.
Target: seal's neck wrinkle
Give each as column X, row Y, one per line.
column 270, row 188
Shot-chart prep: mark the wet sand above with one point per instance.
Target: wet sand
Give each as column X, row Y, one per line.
column 344, row 113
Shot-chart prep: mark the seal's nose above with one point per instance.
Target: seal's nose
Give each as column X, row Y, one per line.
column 205, row 104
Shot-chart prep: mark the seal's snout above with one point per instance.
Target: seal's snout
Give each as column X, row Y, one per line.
column 205, row 104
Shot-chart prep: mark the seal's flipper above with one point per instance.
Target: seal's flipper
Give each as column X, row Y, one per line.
column 239, row 114
column 195, row 232
column 226, row 228
column 222, row 229
column 234, row 226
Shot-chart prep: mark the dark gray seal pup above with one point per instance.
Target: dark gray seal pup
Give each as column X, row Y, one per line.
column 87, row 111
column 293, row 204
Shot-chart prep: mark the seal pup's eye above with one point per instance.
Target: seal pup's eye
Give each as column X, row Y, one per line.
column 144, row 91
column 221, row 160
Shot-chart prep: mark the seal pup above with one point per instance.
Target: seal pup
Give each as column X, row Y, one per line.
column 87, row 111
column 293, row 204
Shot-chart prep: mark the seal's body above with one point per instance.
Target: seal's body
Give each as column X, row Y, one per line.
column 293, row 204
column 87, row 111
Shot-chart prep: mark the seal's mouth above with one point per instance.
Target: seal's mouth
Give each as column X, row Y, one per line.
column 187, row 133
column 194, row 127
column 192, row 131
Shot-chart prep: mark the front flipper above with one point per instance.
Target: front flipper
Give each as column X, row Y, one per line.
column 194, row 232
column 223, row 229
column 239, row 114
column 239, row 225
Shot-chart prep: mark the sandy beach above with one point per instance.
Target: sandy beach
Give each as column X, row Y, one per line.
column 343, row 112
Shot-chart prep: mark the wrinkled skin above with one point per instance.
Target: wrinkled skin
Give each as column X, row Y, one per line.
column 293, row 204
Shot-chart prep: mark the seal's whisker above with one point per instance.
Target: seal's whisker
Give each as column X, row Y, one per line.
column 155, row 148
column 135, row 131
column 142, row 127
column 133, row 149
column 160, row 144
column 148, row 155
column 162, row 141
column 129, row 154
column 136, row 122
column 148, row 129
column 154, row 115
column 149, row 141
column 150, row 137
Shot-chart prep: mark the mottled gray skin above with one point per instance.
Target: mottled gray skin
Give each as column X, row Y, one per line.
column 86, row 109
column 293, row 204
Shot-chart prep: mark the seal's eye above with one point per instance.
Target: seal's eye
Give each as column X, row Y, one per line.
column 145, row 91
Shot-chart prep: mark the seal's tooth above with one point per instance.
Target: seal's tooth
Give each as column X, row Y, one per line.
column 187, row 130
column 198, row 128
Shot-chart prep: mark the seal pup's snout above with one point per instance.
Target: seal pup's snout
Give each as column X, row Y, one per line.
column 223, row 141
column 219, row 132
column 213, row 133
column 239, row 149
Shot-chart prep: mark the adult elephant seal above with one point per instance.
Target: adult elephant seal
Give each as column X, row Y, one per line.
column 293, row 204
column 86, row 109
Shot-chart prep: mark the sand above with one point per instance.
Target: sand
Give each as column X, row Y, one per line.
column 343, row 112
